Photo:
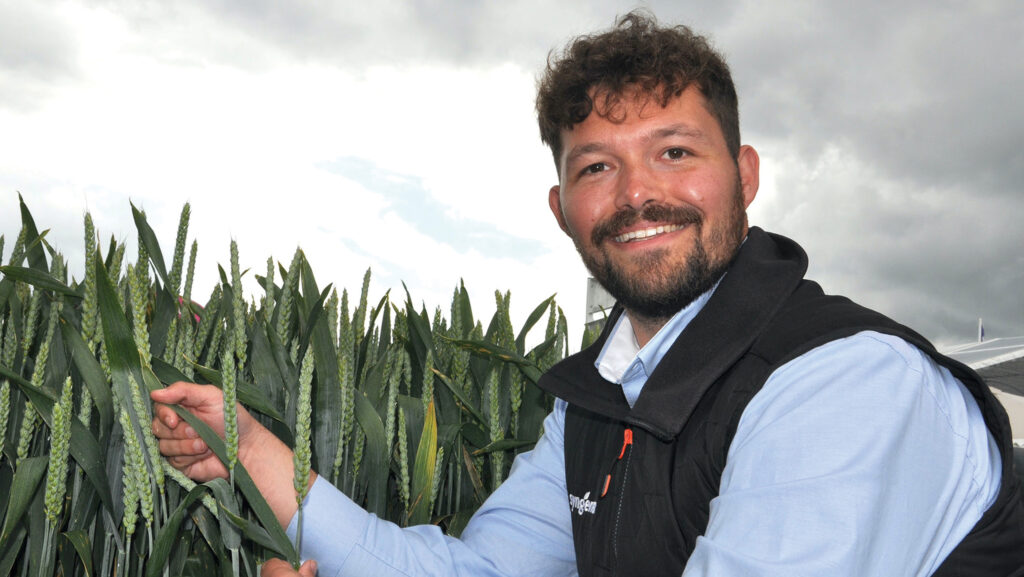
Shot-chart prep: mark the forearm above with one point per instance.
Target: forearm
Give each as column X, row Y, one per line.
column 524, row 528
column 270, row 464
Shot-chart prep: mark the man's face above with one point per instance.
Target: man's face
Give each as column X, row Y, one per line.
column 654, row 202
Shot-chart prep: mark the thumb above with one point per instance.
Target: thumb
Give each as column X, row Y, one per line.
column 308, row 569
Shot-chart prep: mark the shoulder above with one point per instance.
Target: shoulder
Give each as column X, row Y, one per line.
column 879, row 398
column 868, row 374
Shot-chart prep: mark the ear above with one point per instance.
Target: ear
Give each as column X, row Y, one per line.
column 555, row 202
column 749, row 166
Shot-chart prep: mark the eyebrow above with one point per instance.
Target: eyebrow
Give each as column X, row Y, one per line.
column 578, row 151
column 683, row 130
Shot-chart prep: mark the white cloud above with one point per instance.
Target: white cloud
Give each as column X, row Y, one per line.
column 246, row 147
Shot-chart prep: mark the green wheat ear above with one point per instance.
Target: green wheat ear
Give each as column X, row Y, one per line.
column 8, row 350
column 228, row 376
column 359, row 318
column 435, row 483
column 186, row 293
column 5, row 408
column 428, row 381
column 403, row 458
column 34, row 303
column 28, row 429
column 497, row 457
column 332, row 316
column 303, row 428
column 18, row 252
column 60, row 447
column 174, row 276
column 268, row 286
column 90, row 307
column 238, row 309
column 394, row 380
column 346, row 379
column 358, row 449
column 149, row 439
column 289, row 286
column 138, row 285
column 130, row 497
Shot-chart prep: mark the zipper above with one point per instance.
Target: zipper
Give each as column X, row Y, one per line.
column 625, row 452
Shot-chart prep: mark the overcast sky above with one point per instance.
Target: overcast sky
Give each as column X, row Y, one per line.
column 401, row 137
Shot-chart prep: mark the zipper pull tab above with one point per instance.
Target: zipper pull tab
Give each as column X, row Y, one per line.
column 627, row 441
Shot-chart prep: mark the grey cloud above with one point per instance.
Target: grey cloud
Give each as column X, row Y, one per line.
column 923, row 101
column 350, row 35
column 933, row 258
column 929, row 91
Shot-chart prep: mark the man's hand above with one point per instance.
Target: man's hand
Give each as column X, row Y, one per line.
column 180, row 443
column 281, row 568
column 264, row 456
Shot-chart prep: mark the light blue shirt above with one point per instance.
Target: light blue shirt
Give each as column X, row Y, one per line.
column 860, row 457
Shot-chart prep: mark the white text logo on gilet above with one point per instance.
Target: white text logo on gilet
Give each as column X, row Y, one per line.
column 581, row 505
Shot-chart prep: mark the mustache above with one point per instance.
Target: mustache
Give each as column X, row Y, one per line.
column 655, row 213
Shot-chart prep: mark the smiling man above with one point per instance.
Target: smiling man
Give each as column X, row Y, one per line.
column 731, row 420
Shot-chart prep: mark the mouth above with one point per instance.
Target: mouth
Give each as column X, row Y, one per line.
column 629, row 225
column 646, row 233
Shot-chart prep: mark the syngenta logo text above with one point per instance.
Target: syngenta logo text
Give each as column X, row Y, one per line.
column 581, row 505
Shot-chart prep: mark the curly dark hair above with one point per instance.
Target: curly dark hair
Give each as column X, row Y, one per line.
column 637, row 56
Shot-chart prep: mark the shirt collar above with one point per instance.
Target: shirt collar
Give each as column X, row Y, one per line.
column 622, row 354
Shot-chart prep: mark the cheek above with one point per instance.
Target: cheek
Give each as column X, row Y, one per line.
column 706, row 192
column 581, row 215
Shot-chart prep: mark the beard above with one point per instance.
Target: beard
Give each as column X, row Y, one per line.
column 656, row 287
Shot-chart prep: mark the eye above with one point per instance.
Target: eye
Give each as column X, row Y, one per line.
column 675, row 153
column 594, row 168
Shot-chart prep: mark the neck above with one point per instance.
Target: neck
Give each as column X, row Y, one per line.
column 644, row 327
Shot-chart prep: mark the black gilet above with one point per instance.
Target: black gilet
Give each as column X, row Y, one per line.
column 638, row 508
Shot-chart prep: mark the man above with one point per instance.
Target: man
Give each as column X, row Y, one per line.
column 731, row 419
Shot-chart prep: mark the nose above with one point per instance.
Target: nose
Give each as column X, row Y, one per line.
column 636, row 187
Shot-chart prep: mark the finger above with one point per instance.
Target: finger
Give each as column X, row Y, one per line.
column 184, row 462
column 308, row 569
column 166, row 415
column 179, row 430
column 182, row 430
column 276, row 568
column 188, row 447
column 172, row 394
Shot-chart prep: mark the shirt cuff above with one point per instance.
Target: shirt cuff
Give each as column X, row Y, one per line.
column 332, row 525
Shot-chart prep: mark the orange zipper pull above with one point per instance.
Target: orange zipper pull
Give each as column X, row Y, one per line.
column 627, row 440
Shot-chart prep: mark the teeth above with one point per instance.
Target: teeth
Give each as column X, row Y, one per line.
column 647, row 233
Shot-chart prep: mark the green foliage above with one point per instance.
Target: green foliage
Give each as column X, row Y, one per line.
column 416, row 418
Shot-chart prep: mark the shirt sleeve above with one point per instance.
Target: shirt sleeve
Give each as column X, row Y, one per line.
column 861, row 457
column 523, row 528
